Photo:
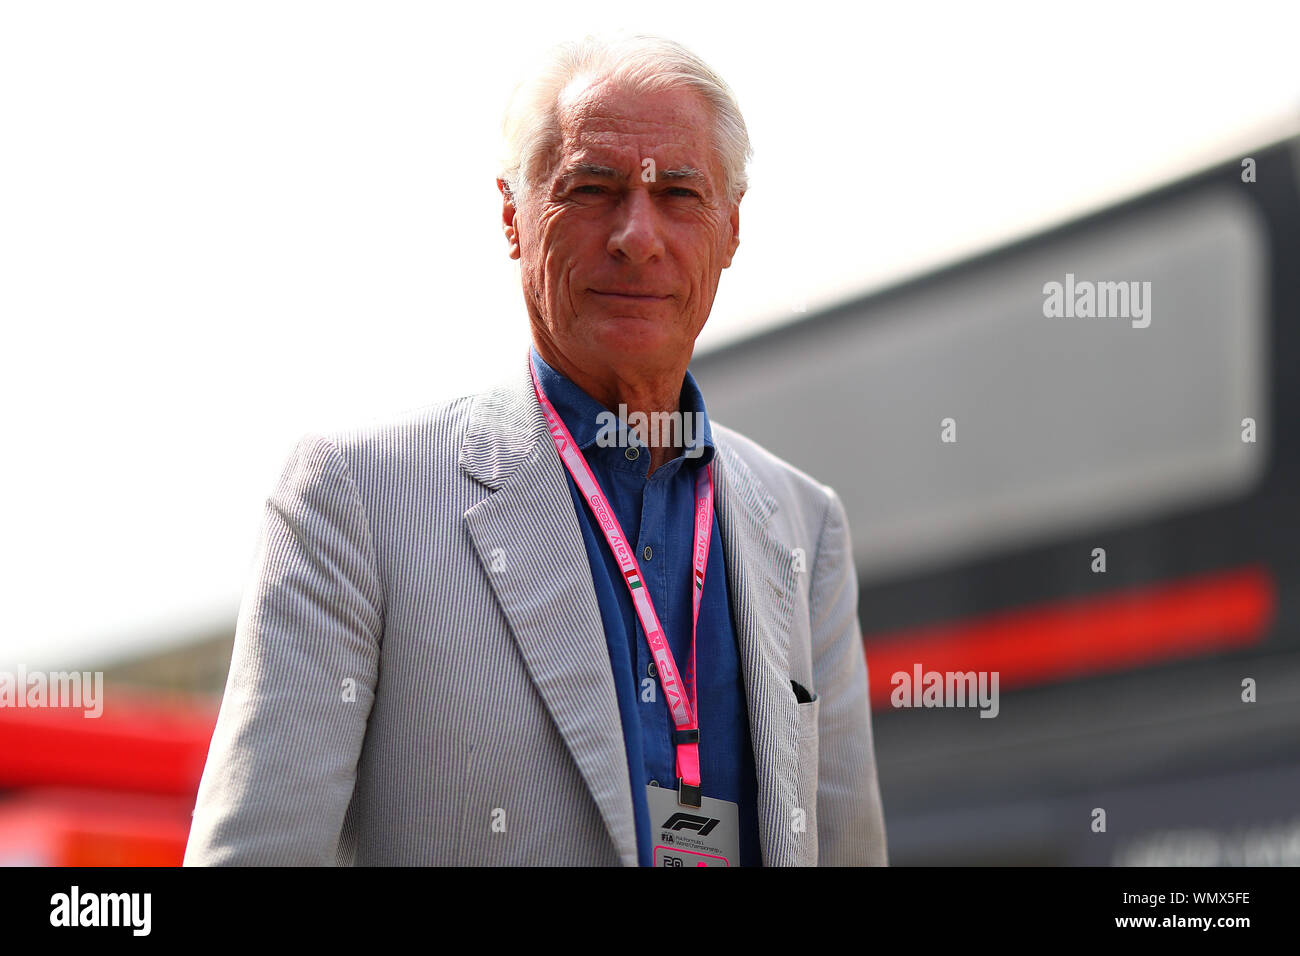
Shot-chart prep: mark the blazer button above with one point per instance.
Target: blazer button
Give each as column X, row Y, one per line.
column 650, row 669
column 648, row 553
column 632, row 453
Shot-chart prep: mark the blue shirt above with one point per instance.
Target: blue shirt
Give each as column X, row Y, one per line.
column 658, row 513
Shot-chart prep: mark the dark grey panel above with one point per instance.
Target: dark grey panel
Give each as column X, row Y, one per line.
column 1063, row 424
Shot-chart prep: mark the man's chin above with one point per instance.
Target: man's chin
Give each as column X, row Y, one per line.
column 639, row 334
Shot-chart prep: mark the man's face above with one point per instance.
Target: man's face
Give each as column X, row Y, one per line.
column 618, row 270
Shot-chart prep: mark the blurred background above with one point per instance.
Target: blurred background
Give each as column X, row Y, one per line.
column 224, row 225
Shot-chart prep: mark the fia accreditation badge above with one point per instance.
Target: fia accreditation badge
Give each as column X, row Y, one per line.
column 707, row 835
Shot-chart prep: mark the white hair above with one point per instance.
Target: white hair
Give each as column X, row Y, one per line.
column 641, row 63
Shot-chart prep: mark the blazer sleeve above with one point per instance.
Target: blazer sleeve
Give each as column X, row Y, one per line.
column 850, row 818
column 282, row 763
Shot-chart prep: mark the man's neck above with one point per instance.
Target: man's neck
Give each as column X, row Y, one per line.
column 635, row 389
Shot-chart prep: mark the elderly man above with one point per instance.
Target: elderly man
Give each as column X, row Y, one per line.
column 518, row 628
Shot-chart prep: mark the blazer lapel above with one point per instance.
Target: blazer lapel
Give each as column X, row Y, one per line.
column 762, row 582
column 527, row 531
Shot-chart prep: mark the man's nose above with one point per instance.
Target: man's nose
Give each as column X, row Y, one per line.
column 636, row 233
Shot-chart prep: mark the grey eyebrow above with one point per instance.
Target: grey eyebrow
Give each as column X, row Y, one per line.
column 607, row 172
column 684, row 172
column 594, row 169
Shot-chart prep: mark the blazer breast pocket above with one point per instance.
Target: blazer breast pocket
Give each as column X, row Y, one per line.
column 807, row 747
column 808, row 704
column 808, row 718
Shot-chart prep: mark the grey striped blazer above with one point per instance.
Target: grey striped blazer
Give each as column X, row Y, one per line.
column 420, row 674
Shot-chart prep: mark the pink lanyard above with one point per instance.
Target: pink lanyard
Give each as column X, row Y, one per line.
column 681, row 705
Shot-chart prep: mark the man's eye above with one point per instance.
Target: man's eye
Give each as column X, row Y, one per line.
column 597, row 189
column 682, row 190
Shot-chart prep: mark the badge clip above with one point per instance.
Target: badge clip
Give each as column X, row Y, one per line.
column 687, row 795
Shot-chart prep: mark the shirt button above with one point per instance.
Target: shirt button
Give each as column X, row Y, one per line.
column 651, row 669
column 654, row 783
column 632, row 453
column 648, row 553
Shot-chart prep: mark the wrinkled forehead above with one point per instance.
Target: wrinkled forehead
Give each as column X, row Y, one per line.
column 601, row 121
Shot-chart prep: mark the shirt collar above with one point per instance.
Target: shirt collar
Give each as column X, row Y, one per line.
column 586, row 418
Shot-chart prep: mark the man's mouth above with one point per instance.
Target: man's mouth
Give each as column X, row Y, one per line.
column 647, row 296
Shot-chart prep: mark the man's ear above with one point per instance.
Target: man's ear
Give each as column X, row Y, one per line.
column 508, row 214
column 735, row 231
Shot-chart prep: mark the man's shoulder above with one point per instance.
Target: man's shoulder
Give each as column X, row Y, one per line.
column 786, row 482
column 431, row 431
column 420, row 444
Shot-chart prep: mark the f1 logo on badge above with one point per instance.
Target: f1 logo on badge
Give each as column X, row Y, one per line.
column 688, row 821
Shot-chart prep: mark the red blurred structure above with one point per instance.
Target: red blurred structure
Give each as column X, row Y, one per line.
column 1066, row 639
column 116, row 790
